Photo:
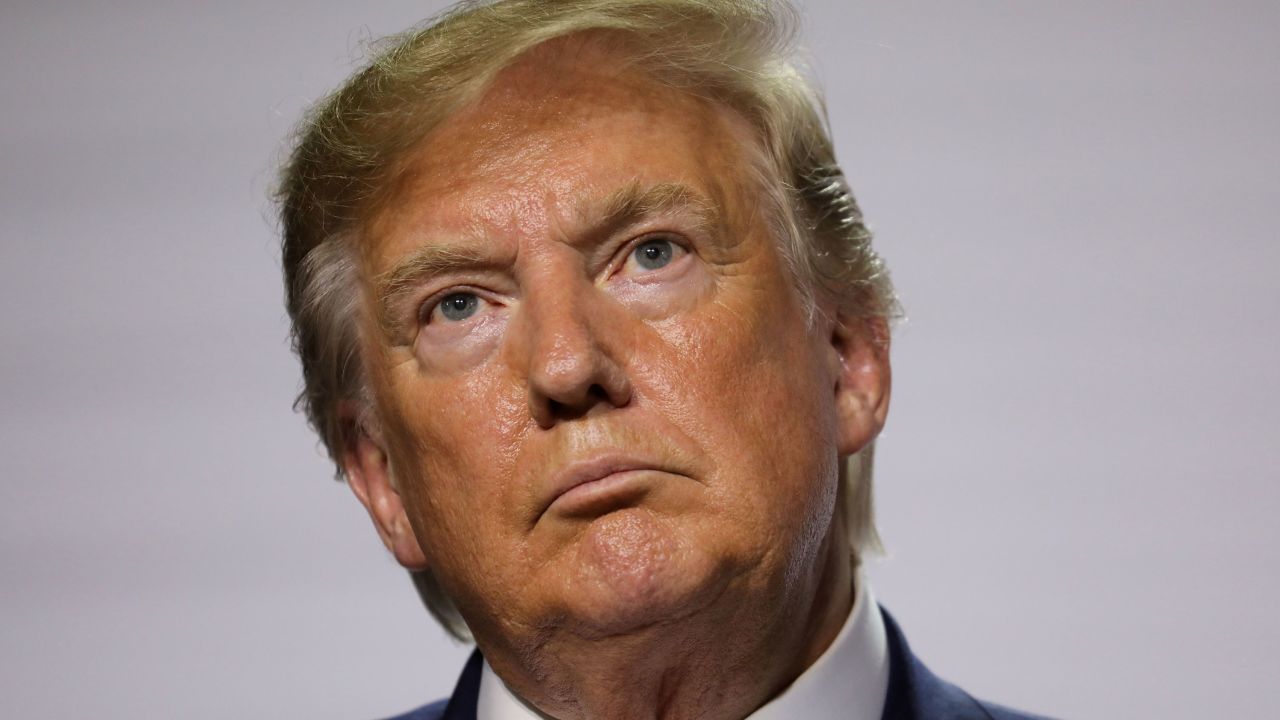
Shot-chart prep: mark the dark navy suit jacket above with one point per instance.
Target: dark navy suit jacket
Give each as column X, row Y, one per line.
column 914, row 693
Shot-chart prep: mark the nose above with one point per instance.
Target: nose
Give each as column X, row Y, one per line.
column 572, row 366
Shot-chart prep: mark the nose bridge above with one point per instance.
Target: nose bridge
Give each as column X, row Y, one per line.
column 568, row 365
column 562, row 335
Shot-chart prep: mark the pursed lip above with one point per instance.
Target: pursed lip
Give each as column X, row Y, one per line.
column 579, row 473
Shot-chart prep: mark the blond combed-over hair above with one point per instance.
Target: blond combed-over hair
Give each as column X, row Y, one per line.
column 348, row 151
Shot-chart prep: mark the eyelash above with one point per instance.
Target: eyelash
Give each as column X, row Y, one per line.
column 428, row 307
column 427, row 310
column 676, row 241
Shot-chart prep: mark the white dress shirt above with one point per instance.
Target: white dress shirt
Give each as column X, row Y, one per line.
column 848, row 681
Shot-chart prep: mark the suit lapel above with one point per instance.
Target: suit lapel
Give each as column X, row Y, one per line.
column 915, row 693
column 466, row 694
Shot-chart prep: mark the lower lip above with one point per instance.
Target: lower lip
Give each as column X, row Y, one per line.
column 603, row 495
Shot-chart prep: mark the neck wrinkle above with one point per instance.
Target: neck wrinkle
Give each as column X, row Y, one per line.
column 680, row 689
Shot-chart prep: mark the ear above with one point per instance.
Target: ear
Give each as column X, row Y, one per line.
column 369, row 476
column 860, row 361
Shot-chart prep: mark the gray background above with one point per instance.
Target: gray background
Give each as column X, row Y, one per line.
column 1078, row 484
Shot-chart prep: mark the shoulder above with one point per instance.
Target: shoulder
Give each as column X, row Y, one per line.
column 1000, row 712
column 940, row 700
column 430, row 711
column 459, row 706
column 915, row 693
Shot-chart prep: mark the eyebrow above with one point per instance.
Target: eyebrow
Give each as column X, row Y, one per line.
column 634, row 202
column 425, row 262
column 624, row 207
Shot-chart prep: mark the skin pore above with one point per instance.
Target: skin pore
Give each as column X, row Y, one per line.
column 605, row 422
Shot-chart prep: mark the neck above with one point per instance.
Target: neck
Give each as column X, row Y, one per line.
column 722, row 662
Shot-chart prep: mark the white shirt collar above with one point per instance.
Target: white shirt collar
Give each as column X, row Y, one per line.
column 848, row 681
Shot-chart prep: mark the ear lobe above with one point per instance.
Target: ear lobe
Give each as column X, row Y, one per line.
column 369, row 475
column 861, row 353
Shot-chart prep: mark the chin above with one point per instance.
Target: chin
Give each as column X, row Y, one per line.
column 635, row 569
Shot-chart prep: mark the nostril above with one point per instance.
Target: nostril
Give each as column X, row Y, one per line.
column 594, row 395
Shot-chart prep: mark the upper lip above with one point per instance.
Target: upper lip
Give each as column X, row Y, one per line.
column 590, row 469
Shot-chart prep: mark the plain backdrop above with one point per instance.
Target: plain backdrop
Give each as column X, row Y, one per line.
column 1078, row 485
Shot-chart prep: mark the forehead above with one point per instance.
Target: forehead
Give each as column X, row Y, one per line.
column 560, row 129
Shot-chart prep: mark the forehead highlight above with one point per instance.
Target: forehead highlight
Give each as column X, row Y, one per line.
column 518, row 140
column 578, row 84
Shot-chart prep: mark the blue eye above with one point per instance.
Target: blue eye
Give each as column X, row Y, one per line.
column 654, row 254
column 458, row 306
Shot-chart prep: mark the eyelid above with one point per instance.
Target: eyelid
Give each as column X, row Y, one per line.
column 677, row 241
column 427, row 308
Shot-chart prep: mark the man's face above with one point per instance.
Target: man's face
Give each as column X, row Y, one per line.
column 600, row 399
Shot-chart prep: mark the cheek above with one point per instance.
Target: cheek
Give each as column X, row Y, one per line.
column 750, row 352
column 748, row 381
column 453, row 442
column 447, row 350
column 672, row 291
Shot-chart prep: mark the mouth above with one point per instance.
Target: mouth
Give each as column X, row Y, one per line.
column 595, row 487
